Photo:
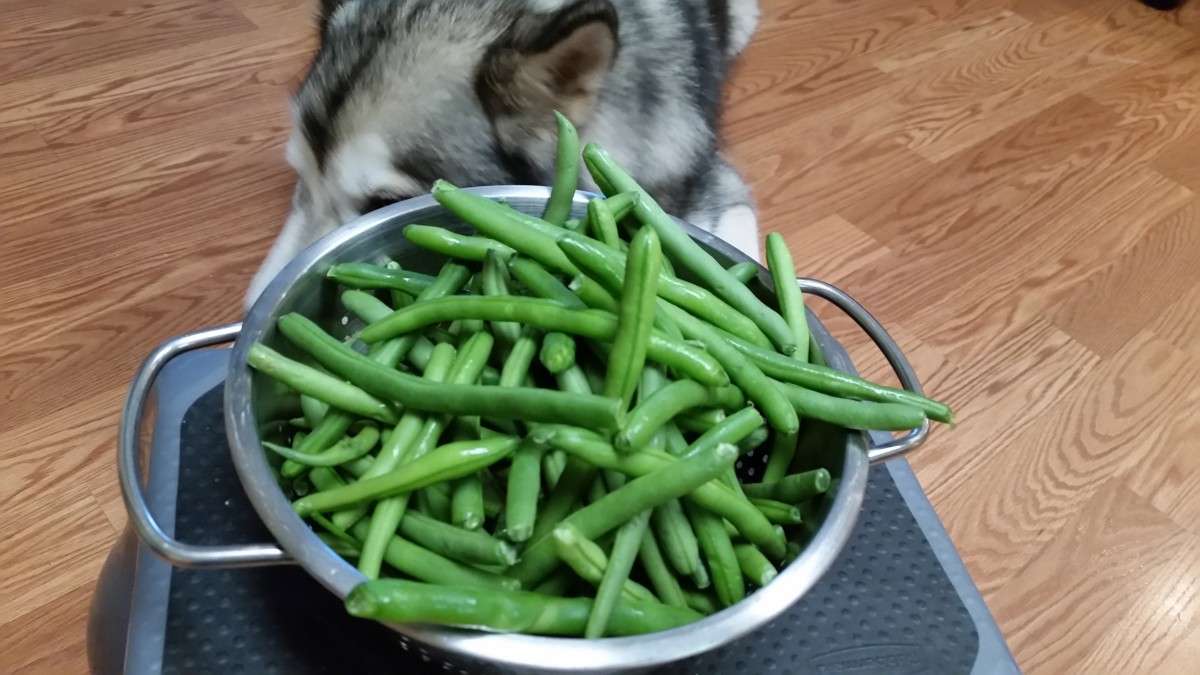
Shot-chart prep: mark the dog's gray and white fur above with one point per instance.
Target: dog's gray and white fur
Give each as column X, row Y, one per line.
column 402, row 92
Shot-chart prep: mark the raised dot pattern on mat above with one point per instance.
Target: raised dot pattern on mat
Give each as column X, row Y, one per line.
column 885, row 608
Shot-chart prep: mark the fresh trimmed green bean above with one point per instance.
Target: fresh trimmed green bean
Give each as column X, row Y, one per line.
column 574, row 479
column 420, row 563
column 603, row 224
column 365, row 276
column 755, row 565
column 345, row 450
column 399, row 601
column 792, row 489
column 621, row 505
column 542, row 283
column 566, row 172
column 558, row 352
column 313, row 410
column 504, row 225
column 727, row 578
column 744, row 272
column 778, row 512
column 593, row 294
column 607, row 267
column 471, row 547
column 701, row 578
column 621, row 205
column 529, row 405
column 700, row 421
column 495, row 283
column 553, row 465
column 635, row 321
column 787, row 293
column 783, row 451
column 520, row 358
column 575, row 224
column 434, row 504
column 447, row 462
column 548, row 315
column 589, row 561
column 757, row 386
column 620, row 564
column 684, row 250
column 674, row 530
column 663, row 405
column 455, row 245
column 311, row 382
column 836, row 383
column 466, row 502
column 666, row 586
column 300, row 423
column 700, row 601
column 864, row 415
column 524, row 484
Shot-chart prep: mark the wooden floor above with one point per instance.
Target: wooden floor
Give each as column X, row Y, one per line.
column 1013, row 186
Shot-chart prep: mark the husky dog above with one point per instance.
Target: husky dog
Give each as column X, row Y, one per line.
column 403, row 92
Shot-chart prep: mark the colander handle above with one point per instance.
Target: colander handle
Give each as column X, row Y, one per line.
column 891, row 351
column 147, row 528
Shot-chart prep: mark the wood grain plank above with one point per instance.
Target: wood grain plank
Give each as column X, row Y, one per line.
column 966, row 31
column 1178, row 161
column 22, row 149
column 52, row 643
column 1179, row 321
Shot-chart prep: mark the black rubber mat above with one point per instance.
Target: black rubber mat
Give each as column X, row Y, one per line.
column 886, row 606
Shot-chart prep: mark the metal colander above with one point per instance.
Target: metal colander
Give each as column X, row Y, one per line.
column 251, row 400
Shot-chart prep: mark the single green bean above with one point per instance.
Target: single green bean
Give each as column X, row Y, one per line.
column 621, row 205
column 495, row 283
column 573, row 480
column 566, row 172
column 620, row 564
column 635, row 322
column 312, row 382
column 542, row 283
column 365, row 276
column 783, row 451
column 588, row 560
column 399, row 601
column 455, row 245
column 548, row 315
column 524, row 485
column 558, row 352
column 345, row 450
column 530, row 405
column 793, row 489
column 717, row 547
column 778, row 512
column 313, row 410
column 744, row 272
column 447, row 462
column 553, row 464
column 466, row 502
column 678, row 539
column 603, row 224
column 700, row 421
column 684, row 250
column 666, row 586
column 471, row 547
column 700, row 601
column 420, row 563
column 434, row 503
column 621, row 505
column 787, row 293
column 864, row 415
column 593, row 294
column 663, row 405
column 755, row 565
column 575, row 224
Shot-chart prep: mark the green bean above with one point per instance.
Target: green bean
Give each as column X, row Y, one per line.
column 420, row 563
column 863, row 415
column 607, row 267
column 616, row 573
column 792, row 489
column 566, row 173
column 684, row 250
column 312, row 382
column 338, row 546
column 455, row 245
column 542, row 283
column 783, row 451
column 665, row 584
column 700, row 421
column 575, row 224
column 434, row 504
column 365, row 276
column 755, row 565
column 447, row 462
column 530, row 405
column 757, row 386
column 621, row 505
column 700, row 601
column 495, row 283
column 598, row 176
column 523, row 487
column 575, row 477
column 678, row 539
column 466, row 502
column 836, row 383
column 745, row 272
column 635, row 322
column 313, row 410
column 593, row 294
column 553, row 464
column 399, row 601
column 504, row 225
column 588, row 560
column 717, row 547
column 621, row 205
column 471, row 547
column 661, row 407
column 558, row 352
column 300, row 423
column 603, row 224
column 787, row 292
column 520, row 358
column 701, row 578
column 345, row 450
column 777, row 512
column 548, row 315
column 559, row 583
column 387, row 514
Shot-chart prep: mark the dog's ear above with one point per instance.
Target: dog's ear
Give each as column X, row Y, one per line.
column 553, row 60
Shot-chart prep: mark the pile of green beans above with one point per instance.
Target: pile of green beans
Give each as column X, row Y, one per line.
column 543, row 437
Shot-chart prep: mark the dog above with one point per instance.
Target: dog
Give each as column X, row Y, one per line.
column 403, row 92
